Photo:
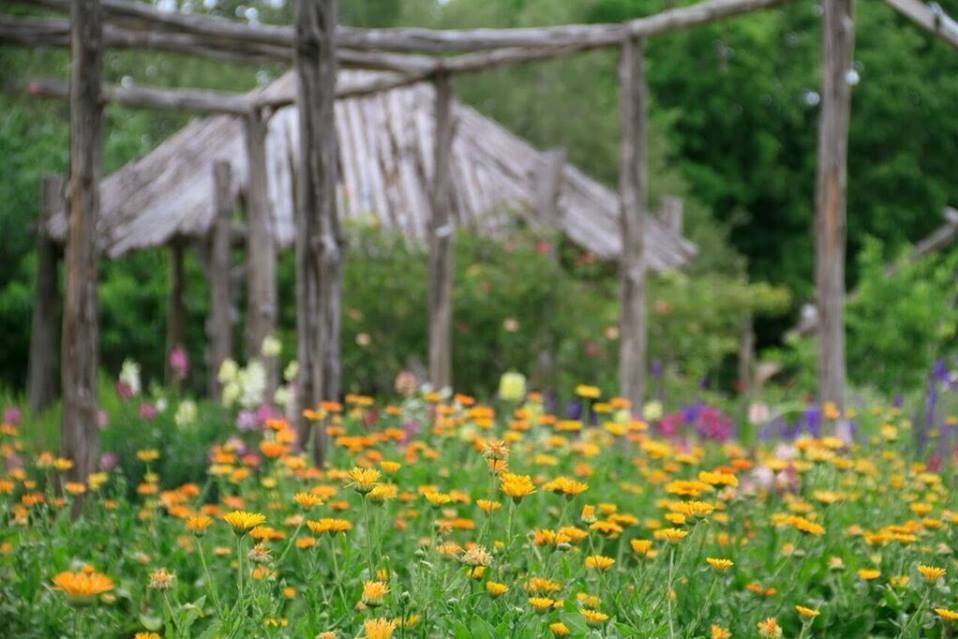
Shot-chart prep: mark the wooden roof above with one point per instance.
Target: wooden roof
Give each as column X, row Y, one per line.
column 385, row 146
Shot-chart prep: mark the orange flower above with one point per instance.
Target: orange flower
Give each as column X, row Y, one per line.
column 82, row 587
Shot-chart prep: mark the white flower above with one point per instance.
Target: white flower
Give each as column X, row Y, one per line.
column 228, row 371
column 185, row 413
column 652, row 411
column 252, row 380
column 271, row 347
column 292, row 371
column 282, row 395
column 231, row 393
column 758, row 413
column 130, row 376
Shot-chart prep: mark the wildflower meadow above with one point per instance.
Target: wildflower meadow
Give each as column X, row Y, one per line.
column 438, row 516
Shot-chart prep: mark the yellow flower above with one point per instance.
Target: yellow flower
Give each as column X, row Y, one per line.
column 640, row 546
column 330, row 526
column 593, row 617
column 671, row 535
column 198, row 524
column 379, row 628
column 931, row 574
column 243, row 521
column 868, row 574
column 512, row 387
column 541, row 604
column 161, row 579
column 390, row 467
column 516, row 486
column 374, row 592
column 566, row 486
column 146, row 635
column 588, row 392
column 82, row 587
column 769, row 628
column 720, row 565
column 148, row 455
column 496, row 589
column 363, row 479
column 307, row 500
column 807, row 614
column 558, row 629
column 946, row 615
column 487, row 505
column 599, row 562
column 718, row 632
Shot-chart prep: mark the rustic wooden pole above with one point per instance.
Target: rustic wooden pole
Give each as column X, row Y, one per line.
column 45, row 333
column 80, row 437
column 440, row 240
column 837, row 43
column 175, row 305
column 219, row 326
column 672, row 213
column 262, row 301
column 547, row 191
column 633, row 212
column 319, row 238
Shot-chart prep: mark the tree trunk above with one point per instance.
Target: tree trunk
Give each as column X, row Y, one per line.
column 260, row 253
column 80, row 436
column 175, row 307
column 319, row 238
column 837, row 43
column 440, row 241
column 44, row 336
column 632, row 195
column 219, row 326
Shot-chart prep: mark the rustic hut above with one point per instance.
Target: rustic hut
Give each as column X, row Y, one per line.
column 385, row 160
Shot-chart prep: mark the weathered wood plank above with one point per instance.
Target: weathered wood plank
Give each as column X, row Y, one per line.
column 319, row 239
column 219, row 325
column 80, row 345
column 633, row 195
column 440, row 240
column 45, row 328
column 930, row 17
column 830, row 225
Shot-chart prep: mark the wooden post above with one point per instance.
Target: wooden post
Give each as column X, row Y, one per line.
column 837, row 43
column 219, row 327
column 45, row 333
column 548, row 187
column 79, row 359
column 671, row 211
column 261, row 306
column 440, row 240
column 175, row 305
column 746, row 357
column 633, row 212
column 319, row 238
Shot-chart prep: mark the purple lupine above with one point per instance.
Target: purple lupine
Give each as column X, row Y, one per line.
column 812, row 420
column 573, row 409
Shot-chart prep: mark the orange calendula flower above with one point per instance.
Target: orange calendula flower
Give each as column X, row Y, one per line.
column 769, row 628
column 363, row 480
column 946, row 614
column 82, row 587
column 720, row 565
column 868, row 574
column 565, row 486
column 374, row 592
column 718, row 632
column 496, row 589
column 379, row 628
column 516, row 486
column 198, row 524
column 243, row 521
column 307, row 500
column 588, row 392
column 329, row 526
column 558, row 629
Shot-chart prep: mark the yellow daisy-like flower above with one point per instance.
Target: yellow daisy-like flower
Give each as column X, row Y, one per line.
column 931, row 574
column 146, row 635
column 329, row 526
column 946, row 615
column 868, row 574
column 488, row 505
column 769, row 628
column 718, row 632
column 720, row 565
column 594, row 617
column 599, row 562
column 588, row 392
column 307, row 500
column 390, row 467
column 379, row 628
column 807, row 614
column 82, row 587
column 496, row 589
column 516, row 486
column 565, row 486
column 671, row 535
column 243, row 521
column 541, row 604
column 198, row 524
column 363, row 480
column 558, row 629
column 374, row 592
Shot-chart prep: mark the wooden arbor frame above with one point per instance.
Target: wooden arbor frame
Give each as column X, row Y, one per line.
column 317, row 46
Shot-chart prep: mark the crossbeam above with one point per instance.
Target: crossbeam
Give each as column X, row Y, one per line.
column 930, row 17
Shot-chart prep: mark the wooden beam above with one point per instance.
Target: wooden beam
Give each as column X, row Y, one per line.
column 560, row 39
column 175, row 306
column 633, row 187
column 45, row 332
column 79, row 360
column 830, row 184
column 548, row 187
column 930, row 17
column 261, row 310
column 440, row 240
column 319, row 238
column 219, row 327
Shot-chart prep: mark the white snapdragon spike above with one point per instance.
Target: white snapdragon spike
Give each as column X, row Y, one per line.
column 130, row 376
column 252, row 380
column 291, row 371
column 185, row 413
column 282, row 396
column 271, row 347
column 228, row 371
column 231, row 394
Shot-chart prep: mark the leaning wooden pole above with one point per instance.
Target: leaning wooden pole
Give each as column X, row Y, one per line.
column 219, row 327
column 80, row 438
column 440, row 240
column 837, row 44
column 633, row 262
column 319, row 238
column 262, row 298
column 46, row 326
column 175, row 307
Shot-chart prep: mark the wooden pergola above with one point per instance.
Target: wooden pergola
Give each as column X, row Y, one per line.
column 316, row 46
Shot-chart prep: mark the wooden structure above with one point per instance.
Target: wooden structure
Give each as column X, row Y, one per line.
column 315, row 45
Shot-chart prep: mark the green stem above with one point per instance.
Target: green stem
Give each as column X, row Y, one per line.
column 210, row 585
column 668, row 593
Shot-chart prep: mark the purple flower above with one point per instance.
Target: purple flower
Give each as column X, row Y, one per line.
column 246, row 420
column 108, row 461
column 812, row 420
column 12, row 415
column 573, row 409
column 102, row 419
column 656, row 368
column 124, row 390
column 179, row 363
column 147, row 411
column 14, row 462
column 237, row 444
column 266, row 412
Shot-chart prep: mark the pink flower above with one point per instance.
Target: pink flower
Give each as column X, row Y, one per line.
column 124, row 390
column 12, row 415
column 147, row 411
column 179, row 363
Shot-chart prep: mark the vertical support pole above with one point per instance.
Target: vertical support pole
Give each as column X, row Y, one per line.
column 260, row 252
column 548, row 189
column 79, row 359
column 672, row 212
column 831, row 178
column 440, row 240
column 219, row 327
column 319, row 237
column 746, row 357
column 633, row 183
column 175, row 305
column 45, row 333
